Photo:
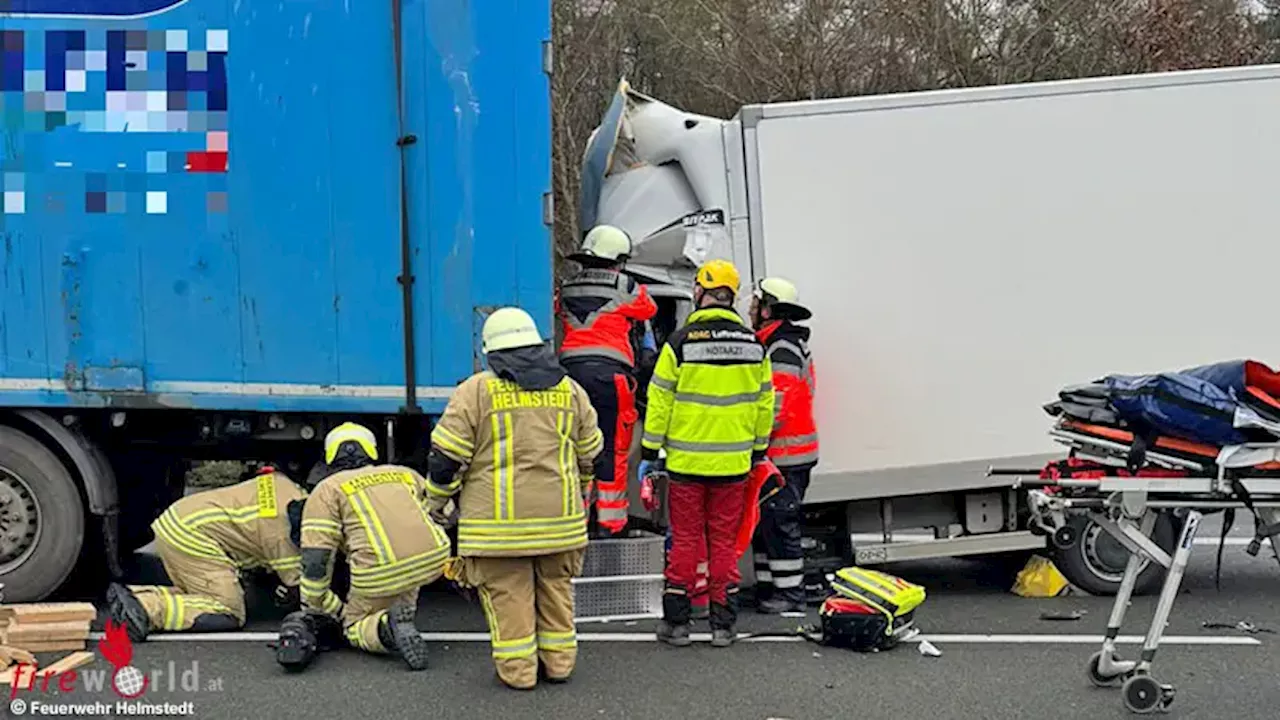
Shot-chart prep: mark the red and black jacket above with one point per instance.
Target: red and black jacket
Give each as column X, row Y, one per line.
column 794, row 442
column 599, row 309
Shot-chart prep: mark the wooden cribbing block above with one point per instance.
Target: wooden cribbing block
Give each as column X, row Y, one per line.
column 11, row 655
column 21, row 633
column 70, row 662
column 54, row 645
column 31, row 613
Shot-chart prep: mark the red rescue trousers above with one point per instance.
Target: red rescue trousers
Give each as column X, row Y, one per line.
column 612, row 390
column 704, row 525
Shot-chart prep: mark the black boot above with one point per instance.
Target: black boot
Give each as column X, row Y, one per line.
column 676, row 609
column 724, row 620
column 125, row 609
column 783, row 602
column 398, row 634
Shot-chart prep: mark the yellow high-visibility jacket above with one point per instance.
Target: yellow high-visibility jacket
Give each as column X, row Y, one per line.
column 245, row 525
column 527, row 457
column 375, row 515
column 710, row 399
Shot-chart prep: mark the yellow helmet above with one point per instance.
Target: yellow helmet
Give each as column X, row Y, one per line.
column 776, row 292
column 605, row 242
column 718, row 274
column 509, row 328
column 350, row 432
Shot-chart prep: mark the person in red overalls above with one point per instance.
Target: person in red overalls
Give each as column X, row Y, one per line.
column 793, row 445
column 603, row 312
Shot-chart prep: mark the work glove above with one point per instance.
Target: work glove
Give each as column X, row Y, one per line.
column 437, row 510
column 644, row 468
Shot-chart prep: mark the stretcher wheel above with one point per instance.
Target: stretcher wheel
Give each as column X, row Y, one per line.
column 1095, row 675
column 1143, row 695
column 1065, row 537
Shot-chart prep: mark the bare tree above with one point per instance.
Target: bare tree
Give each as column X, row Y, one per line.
column 713, row 56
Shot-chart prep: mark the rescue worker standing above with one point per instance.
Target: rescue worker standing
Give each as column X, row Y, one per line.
column 793, row 446
column 603, row 313
column 205, row 540
column 376, row 515
column 711, row 410
column 515, row 447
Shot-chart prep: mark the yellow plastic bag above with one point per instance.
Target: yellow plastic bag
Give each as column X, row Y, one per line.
column 1039, row 579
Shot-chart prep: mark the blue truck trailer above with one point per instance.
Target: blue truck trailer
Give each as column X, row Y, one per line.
column 229, row 226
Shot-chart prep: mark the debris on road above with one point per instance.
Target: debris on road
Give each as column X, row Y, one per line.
column 928, row 649
column 1063, row 616
column 1242, row 626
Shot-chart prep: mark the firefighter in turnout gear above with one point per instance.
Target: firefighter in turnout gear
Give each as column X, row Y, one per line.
column 377, row 516
column 603, row 313
column 514, row 451
column 793, row 445
column 711, row 411
column 205, row 540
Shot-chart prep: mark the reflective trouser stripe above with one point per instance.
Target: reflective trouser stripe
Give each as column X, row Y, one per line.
column 171, row 610
column 787, row 573
column 557, row 640
column 363, row 633
column 762, row 568
column 504, row 649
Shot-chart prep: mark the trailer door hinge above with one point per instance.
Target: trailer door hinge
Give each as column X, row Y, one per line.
column 548, row 56
column 406, row 140
column 548, row 209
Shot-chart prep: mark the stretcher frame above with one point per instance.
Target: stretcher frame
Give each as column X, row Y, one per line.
column 1126, row 508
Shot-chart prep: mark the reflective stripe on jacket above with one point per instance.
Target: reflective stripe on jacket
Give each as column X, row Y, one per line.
column 245, row 525
column 711, row 398
column 377, row 516
column 794, row 441
column 528, row 458
column 598, row 309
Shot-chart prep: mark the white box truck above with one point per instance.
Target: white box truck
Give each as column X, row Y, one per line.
column 966, row 254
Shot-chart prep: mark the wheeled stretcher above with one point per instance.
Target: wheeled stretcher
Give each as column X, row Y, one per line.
column 1123, row 484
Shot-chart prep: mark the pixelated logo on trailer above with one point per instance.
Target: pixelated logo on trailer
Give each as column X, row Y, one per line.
column 168, row 84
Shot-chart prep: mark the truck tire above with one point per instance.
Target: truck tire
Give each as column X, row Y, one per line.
column 1096, row 562
column 42, row 518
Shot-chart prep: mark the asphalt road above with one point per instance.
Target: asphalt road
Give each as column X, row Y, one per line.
column 999, row 660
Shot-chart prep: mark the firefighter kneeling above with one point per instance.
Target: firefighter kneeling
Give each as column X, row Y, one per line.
column 205, row 540
column 377, row 515
column 527, row 437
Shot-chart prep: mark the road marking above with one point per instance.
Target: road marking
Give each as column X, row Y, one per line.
column 704, row 637
column 1230, row 541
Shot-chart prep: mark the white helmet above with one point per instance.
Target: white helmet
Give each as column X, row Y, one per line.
column 509, row 328
column 605, row 242
column 776, row 292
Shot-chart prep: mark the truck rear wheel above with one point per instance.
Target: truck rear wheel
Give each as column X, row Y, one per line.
column 1096, row 562
column 41, row 518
